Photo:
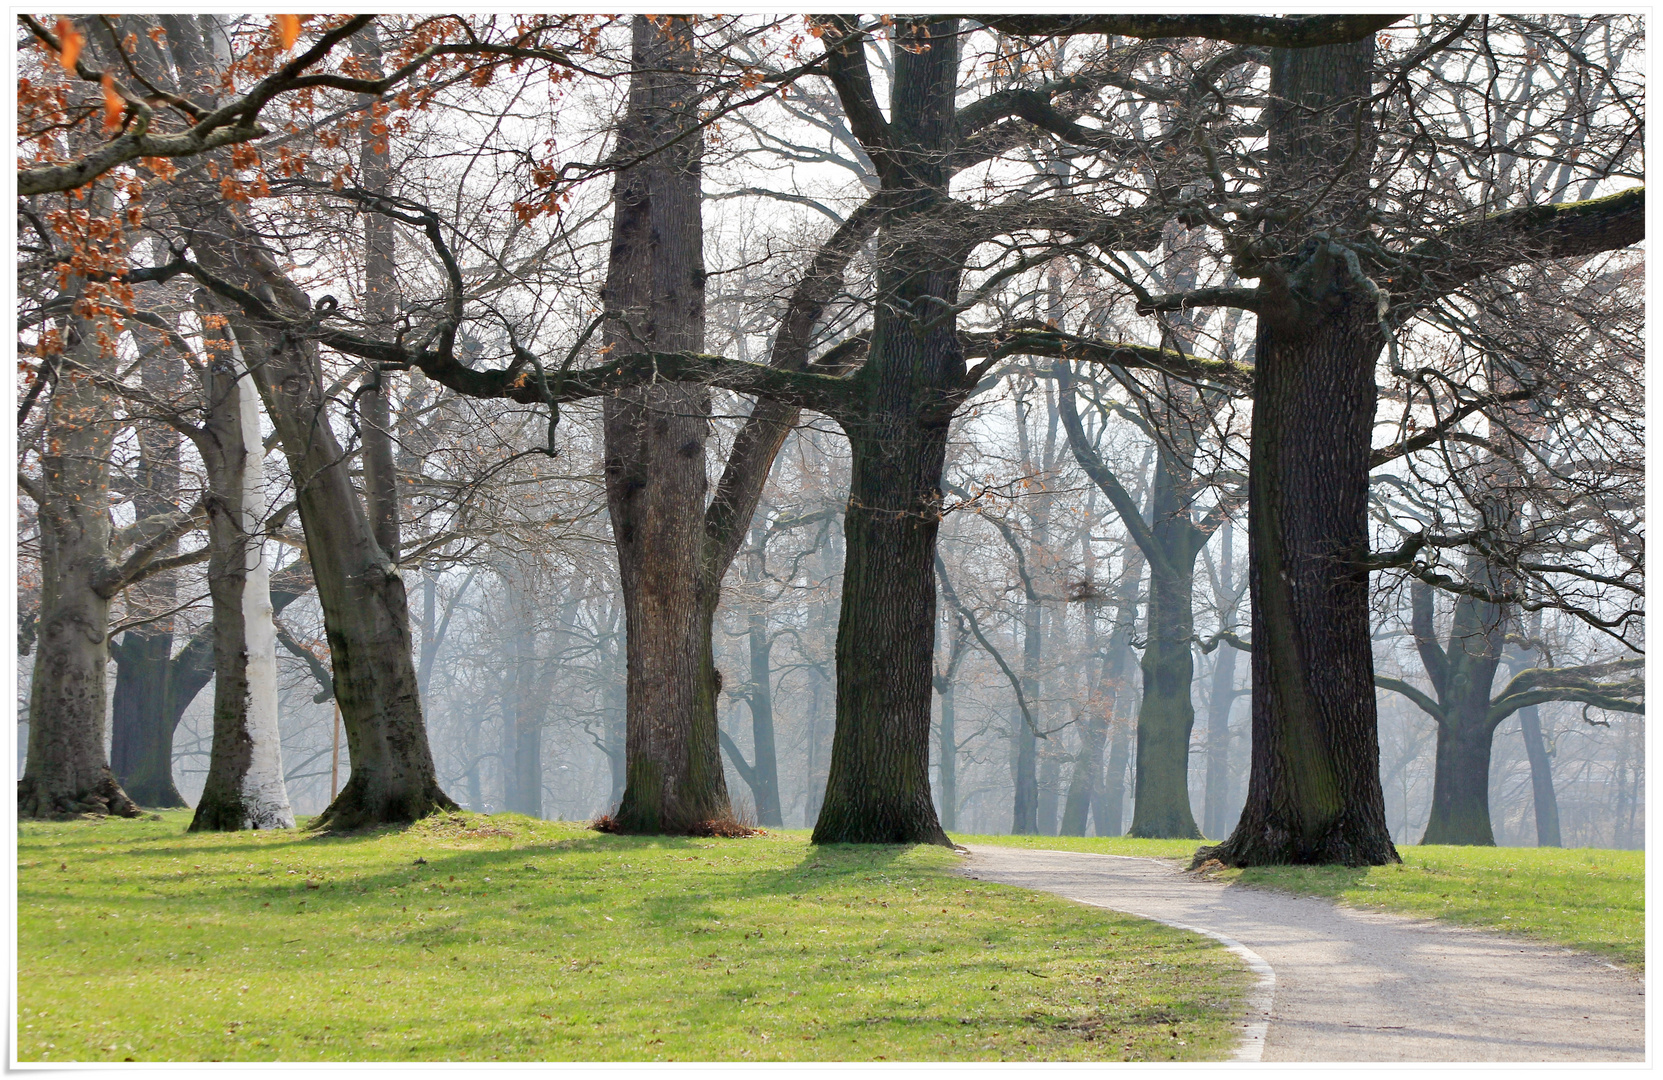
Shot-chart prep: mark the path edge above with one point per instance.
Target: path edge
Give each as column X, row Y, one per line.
column 1260, row 998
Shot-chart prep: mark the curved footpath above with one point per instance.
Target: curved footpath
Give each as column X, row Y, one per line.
column 1350, row 985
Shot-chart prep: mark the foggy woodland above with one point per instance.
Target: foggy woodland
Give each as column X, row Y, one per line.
column 1216, row 426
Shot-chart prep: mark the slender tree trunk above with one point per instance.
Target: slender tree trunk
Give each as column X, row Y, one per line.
column 381, row 306
column 1541, row 778
column 1222, row 699
column 766, row 790
column 1085, row 791
column 655, row 447
column 1110, row 813
column 1314, row 793
column 947, row 753
column 1219, row 705
column 1025, row 809
column 244, row 788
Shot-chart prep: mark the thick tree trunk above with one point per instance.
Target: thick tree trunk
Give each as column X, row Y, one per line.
column 1461, row 783
column 878, row 786
column 141, row 740
column 1314, row 793
column 67, row 771
column 244, row 788
column 365, row 610
column 142, row 718
column 655, row 448
column 1541, row 778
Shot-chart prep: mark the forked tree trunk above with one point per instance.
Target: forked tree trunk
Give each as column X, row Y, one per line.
column 244, row 788
column 655, row 446
column 878, row 784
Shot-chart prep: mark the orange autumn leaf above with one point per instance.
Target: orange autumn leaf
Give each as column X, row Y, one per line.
column 113, row 105
column 288, row 29
column 69, row 44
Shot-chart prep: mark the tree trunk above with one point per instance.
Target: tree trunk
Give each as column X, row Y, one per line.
column 1085, row 794
column 1461, row 782
column 1025, row 808
column 1110, row 812
column 244, row 788
column 947, row 753
column 365, row 611
column 766, row 790
column 1541, row 778
column 655, row 447
column 1222, row 699
column 67, row 771
column 1314, row 792
column 142, row 718
column 141, row 739
column 1166, row 717
column 1219, row 704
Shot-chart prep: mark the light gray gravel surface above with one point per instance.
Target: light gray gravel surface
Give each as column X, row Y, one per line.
column 1353, row 985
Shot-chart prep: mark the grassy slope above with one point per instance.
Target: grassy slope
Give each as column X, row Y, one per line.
column 1584, row 898
column 523, row 939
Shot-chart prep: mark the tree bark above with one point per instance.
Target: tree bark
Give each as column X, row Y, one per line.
column 1314, row 793
column 244, row 788
column 655, row 447
column 66, row 771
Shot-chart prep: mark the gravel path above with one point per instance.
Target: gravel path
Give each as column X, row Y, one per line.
column 1352, row 985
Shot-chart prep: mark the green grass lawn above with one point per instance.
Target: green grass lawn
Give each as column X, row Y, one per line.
column 1584, row 898
column 530, row 940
